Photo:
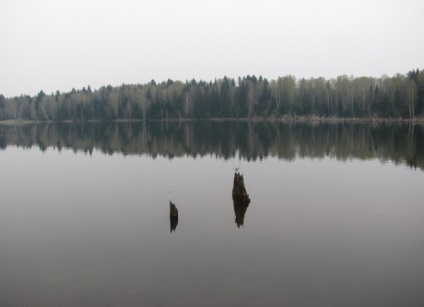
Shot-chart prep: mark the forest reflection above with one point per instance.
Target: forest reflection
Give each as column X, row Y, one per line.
column 400, row 143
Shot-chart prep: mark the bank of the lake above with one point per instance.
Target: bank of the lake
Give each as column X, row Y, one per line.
column 283, row 119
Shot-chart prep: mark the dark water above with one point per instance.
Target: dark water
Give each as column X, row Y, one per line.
column 336, row 215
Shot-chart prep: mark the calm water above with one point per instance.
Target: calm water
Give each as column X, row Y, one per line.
column 336, row 215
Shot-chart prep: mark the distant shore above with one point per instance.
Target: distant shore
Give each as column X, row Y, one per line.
column 283, row 119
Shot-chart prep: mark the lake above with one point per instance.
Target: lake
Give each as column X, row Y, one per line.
column 336, row 216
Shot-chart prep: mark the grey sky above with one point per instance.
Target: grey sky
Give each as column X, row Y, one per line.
column 57, row 44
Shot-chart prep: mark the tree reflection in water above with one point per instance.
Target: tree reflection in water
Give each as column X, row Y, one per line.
column 400, row 143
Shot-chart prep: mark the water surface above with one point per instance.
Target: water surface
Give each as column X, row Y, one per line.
column 335, row 219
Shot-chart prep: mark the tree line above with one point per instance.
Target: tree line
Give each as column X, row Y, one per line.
column 399, row 96
column 400, row 143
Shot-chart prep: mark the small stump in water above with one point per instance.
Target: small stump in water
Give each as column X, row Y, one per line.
column 173, row 216
column 173, row 211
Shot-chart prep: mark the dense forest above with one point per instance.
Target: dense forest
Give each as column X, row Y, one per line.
column 400, row 96
column 400, row 143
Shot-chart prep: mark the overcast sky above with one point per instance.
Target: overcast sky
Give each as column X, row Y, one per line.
column 54, row 45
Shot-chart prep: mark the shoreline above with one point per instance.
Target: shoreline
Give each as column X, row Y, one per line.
column 283, row 119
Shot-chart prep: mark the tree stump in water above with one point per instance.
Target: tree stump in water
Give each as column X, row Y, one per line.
column 173, row 216
column 239, row 190
column 241, row 199
column 173, row 211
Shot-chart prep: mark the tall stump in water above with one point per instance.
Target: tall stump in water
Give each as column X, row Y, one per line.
column 241, row 199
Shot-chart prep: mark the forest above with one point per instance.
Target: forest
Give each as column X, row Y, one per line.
column 397, row 97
